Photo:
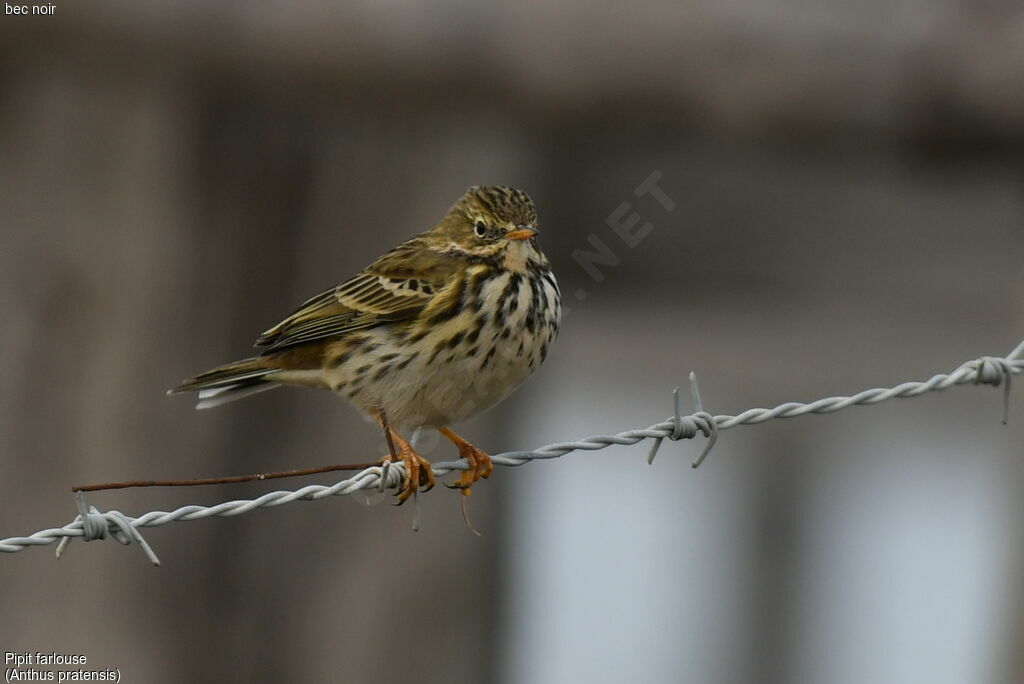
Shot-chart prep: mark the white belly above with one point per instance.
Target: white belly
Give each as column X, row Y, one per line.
column 450, row 380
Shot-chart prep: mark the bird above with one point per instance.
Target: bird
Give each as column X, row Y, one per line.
column 436, row 330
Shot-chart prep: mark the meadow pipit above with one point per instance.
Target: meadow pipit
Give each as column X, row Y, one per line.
column 438, row 329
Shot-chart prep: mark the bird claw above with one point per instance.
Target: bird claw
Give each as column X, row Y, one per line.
column 418, row 471
column 480, row 466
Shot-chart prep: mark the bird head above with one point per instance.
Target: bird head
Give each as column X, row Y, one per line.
column 490, row 221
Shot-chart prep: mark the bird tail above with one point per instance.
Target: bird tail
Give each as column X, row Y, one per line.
column 231, row 381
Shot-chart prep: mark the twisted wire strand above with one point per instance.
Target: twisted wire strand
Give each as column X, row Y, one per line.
column 92, row 524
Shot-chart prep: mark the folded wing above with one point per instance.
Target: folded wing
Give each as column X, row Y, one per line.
column 395, row 287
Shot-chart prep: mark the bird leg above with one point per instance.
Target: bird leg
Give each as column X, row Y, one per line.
column 480, row 464
column 418, row 472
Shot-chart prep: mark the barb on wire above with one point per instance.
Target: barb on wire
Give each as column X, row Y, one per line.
column 90, row 524
column 96, row 525
column 686, row 427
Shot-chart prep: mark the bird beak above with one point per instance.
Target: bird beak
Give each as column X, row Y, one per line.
column 521, row 233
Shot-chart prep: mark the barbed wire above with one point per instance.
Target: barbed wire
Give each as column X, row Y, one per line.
column 91, row 524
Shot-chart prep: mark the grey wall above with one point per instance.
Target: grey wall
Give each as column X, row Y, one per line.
column 847, row 182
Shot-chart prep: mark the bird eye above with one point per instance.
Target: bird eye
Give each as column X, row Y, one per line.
column 480, row 229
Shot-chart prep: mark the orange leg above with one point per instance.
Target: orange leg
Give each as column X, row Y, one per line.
column 418, row 472
column 480, row 464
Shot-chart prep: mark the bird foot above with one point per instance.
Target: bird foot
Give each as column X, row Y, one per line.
column 418, row 473
column 480, row 464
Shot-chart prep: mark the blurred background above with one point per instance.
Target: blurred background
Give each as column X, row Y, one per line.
column 842, row 208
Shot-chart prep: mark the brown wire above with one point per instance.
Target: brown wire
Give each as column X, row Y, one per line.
column 221, row 480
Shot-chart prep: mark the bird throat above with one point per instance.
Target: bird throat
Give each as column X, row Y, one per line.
column 517, row 255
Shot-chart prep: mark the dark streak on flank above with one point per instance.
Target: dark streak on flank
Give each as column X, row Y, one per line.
column 455, row 339
column 340, row 359
column 437, row 350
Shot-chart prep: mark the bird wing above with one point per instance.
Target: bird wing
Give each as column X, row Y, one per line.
column 395, row 287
